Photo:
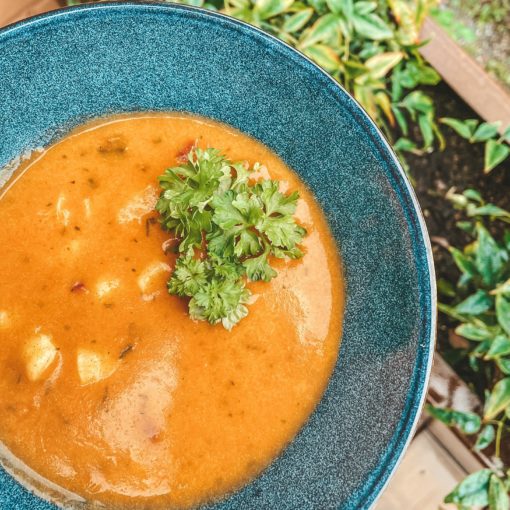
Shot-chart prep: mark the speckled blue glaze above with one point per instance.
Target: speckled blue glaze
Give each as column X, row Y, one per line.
column 61, row 69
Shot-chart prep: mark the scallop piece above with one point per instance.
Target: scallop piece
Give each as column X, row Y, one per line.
column 4, row 319
column 105, row 287
column 63, row 214
column 87, row 207
column 94, row 366
column 147, row 281
column 141, row 203
column 39, row 353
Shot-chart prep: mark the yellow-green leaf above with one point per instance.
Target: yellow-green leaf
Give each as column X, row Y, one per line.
column 380, row 65
column 458, row 126
column 324, row 28
column 372, row 27
column 324, row 56
column 383, row 101
column 500, row 346
column 298, row 20
column 265, row 9
column 339, row 6
column 498, row 400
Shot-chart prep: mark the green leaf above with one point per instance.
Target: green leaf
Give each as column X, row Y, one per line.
column 265, row 9
column 426, row 127
column 463, row 262
column 498, row 495
column 361, row 7
column 324, row 56
column 380, row 65
column 341, row 6
column 372, row 27
column 506, row 134
column 498, row 400
column 503, row 311
column 468, row 423
column 458, row 126
column 485, row 131
column 489, row 257
column 504, row 365
column 506, row 239
column 445, row 288
column 472, row 194
column 503, row 288
column 404, row 144
column 298, row 20
column 500, row 346
column 472, row 332
column 323, row 28
column 476, row 304
column 401, row 120
column 426, row 75
column 472, row 491
column 451, row 312
column 495, row 153
column 417, row 101
column 488, row 210
column 485, row 438
column 466, row 226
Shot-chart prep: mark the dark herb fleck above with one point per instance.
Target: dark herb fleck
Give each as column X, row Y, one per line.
column 126, row 351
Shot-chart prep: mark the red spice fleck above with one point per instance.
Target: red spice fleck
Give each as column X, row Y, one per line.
column 182, row 155
column 78, row 287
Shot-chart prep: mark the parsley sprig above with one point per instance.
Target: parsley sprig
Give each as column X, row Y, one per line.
column 228, row 229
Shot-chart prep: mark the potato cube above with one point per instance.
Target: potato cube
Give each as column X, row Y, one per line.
column 94, row 366
column 39, row 353
column 104, row 287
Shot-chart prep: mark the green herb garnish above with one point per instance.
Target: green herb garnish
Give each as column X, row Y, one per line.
column 228, row 228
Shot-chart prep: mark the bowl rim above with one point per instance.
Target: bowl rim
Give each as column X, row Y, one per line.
column 389, row 461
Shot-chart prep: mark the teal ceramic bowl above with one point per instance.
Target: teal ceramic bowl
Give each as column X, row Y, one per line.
column 61, row 69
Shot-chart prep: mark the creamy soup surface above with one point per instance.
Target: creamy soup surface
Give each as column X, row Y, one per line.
column 107, row 388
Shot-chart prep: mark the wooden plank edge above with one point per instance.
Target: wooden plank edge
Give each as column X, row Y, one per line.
column 447, row 389
column 465, row 76
column 26, row 10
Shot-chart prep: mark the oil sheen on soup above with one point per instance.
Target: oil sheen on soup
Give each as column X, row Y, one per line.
column 108, row 389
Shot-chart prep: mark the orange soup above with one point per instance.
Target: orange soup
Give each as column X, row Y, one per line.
column 108, row 390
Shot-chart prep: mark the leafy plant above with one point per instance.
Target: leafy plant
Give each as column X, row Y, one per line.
column 480, row 305
column 371, row 48
column 496, row 146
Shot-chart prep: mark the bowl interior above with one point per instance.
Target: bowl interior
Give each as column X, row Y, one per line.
column 61, row 69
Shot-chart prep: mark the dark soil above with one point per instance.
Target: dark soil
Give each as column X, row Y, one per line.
column 459, row 166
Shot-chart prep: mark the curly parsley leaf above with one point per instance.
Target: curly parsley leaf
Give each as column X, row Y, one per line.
column 236, row 226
